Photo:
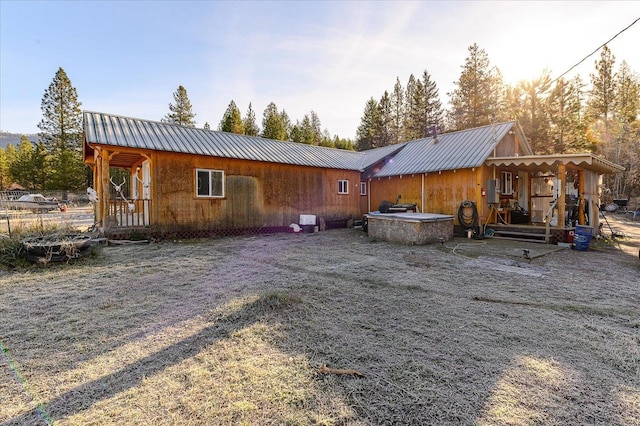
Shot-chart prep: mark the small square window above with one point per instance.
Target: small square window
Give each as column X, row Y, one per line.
column 363, row 188
column 343, row 187
column 209, row 183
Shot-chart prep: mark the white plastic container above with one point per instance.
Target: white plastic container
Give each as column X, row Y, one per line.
column 307, row 219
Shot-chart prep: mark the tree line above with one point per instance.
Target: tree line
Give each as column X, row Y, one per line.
column 557, row 116
column 275, row 124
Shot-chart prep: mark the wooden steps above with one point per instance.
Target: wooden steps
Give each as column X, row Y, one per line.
column 530, row 234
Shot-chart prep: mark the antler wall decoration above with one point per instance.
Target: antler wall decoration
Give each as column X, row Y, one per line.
column 118, row 188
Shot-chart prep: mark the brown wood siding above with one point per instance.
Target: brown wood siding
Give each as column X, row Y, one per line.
column 388, row 189
column 257, row 194
column 507, row 147
column 443, row 192
column 484, row 174
column 364, row 200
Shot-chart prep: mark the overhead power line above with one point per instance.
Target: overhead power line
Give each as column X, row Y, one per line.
column 599, row 47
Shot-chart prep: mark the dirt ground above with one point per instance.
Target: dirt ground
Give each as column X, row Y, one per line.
column 233, row 330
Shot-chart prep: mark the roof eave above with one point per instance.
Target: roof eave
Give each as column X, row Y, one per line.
column 585, row 160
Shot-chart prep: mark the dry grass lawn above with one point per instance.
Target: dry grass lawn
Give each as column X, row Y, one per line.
column 231, row 331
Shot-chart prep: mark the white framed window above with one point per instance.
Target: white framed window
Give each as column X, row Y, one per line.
column 343, row 186
column 506, row 183
column 363, row 188
column 209, row 183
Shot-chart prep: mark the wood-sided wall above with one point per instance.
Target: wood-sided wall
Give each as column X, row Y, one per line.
column 257, row 194
column 438, row 192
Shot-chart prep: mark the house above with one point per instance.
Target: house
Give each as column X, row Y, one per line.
column 195, row 182
column 200, row 182
column 494, row 168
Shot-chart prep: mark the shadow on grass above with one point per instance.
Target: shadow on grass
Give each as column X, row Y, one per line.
column 235, row 317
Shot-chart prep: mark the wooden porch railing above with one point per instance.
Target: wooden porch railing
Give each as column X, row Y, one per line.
column 134, row 213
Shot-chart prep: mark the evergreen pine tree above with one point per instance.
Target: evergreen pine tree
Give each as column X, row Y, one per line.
column 531, row 112
column 409, row 99
column 232, row 120
column 397, row 111
column 22, row 169
column 326, row 139
column 478, row 96
column 568, row 128
column 367, row 134
column 316, row 128
column 5, row 180
column 61, row 134
column 305, row 129
column 206, row 126
column 286, row 124
column 180, row 112
column 416, row 126
column 627, row 99
column 250, row 126
column 433, row 112
column 603, row 86
column 40, row 165
column 385, row 130
column 295, row 134
column 273, row 126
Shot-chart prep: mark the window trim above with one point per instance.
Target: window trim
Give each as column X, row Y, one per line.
column 363, row 188
column 210, row 173
column 506, row 183
column 343, row 186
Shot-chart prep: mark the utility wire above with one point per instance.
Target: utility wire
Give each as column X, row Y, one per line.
column 599, row 47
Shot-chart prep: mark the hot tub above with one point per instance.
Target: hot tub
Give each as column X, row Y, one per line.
column 410, row 228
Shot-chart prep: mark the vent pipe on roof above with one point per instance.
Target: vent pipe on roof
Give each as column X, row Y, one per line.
column 432, row 131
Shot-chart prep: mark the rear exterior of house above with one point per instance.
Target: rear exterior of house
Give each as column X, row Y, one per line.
column 438, row 174
column 193, row 182
column 494, row 168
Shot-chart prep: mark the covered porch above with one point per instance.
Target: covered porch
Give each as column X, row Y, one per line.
column 553, row 192
column 122, row 182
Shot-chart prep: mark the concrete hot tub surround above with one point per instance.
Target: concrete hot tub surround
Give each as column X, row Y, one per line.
column 410, row 228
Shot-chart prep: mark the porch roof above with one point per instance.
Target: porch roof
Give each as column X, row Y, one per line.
column 585, row 161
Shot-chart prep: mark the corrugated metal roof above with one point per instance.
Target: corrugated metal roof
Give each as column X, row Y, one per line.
column 458, row 150
column 373, row 156
column 451, row 151
column 107, row 129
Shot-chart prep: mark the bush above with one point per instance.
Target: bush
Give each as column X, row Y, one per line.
column 11, row 252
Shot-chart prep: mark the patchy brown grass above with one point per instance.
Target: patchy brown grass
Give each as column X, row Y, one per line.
column 232, row 331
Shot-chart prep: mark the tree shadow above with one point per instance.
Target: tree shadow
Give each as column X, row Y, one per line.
column 84, row 396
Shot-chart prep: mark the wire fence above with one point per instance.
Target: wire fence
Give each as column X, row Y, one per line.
column 19, row 213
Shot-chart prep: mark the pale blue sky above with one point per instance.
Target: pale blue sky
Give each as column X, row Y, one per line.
column 128, row 57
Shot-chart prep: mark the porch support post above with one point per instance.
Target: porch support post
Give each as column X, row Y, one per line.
column 104, row 192
column 581, row 186
column 96, row 185
column 561, row 194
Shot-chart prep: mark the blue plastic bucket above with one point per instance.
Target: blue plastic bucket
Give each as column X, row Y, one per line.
column 582, row 237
